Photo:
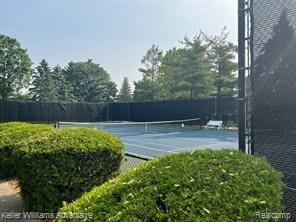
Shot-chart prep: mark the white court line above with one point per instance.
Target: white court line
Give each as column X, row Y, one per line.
column 149, row 148
column 156, row 144
column 167, row 135
column 195, row 140
column 159, row 134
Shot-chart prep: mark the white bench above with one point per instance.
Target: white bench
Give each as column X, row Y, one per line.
column 214, row 124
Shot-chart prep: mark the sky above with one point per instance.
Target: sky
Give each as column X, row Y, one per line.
column 114, row 34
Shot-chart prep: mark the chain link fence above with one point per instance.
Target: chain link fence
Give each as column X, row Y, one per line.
column 273, row 83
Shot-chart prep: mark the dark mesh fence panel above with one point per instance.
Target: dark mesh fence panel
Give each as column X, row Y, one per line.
column 224, row 108
column 51, row 111
column 274, row 88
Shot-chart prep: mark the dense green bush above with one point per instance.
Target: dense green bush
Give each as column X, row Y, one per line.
column 63, row 164
column 10, row 134
column 199, row 186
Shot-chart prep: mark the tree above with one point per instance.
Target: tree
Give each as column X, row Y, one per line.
column 20, row 97
column 150, row 72
column 143, row 90
column 125, row 94
column 15, row 67
column 222, row 56
column 63, row 89
column 90, row 82
column 197, row 70
column 171, row 76
column 112, row 91
column 43, row 86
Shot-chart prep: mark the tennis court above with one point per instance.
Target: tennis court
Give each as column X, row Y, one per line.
column 152, row 139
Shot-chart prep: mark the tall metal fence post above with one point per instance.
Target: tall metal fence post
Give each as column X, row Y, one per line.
column 241, row 75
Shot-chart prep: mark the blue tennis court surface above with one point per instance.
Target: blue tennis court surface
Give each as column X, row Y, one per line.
column 152, row 145
column 160, row 138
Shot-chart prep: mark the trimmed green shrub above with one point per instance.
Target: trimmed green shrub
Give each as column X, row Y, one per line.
column 7, row 125
column 10, row 134
column 64, row 164
column 199, row 186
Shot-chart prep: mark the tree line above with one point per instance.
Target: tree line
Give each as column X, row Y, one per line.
column 78, row 81
column 202, row 67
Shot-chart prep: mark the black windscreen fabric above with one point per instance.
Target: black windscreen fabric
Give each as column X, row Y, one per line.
column 51, row 111
column 274, row 88
column 223, row 108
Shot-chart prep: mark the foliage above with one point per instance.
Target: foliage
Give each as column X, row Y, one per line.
column 142, row 90
column 186, row 72
column 64, row 91
column 10, row 134
column 125, row 93
column 202, row 68
column 150, row 72
column 19, row 97
column 172, row 72
column 222, row 56
column 63, row 164
column 43, row 86
column 197, row 73
column 90, row 82
column 111, row 92
column 151, row 61
column 203, row 185
column 15, row 67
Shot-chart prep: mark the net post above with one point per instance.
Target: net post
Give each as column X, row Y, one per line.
column 146, row 128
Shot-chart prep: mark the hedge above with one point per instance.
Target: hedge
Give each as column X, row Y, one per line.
column 199, row 186
column 64, row 164
column 10, row 134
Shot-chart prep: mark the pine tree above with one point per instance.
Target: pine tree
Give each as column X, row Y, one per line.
column 63, row 89
column 112, row 91
column 222, row 56
column 43, row 87
column 150, row 72
column 125, row 94
column 172, row 73
column 143, row 90
column 197, row 70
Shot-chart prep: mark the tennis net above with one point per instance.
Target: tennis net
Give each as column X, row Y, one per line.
column 138, row 128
